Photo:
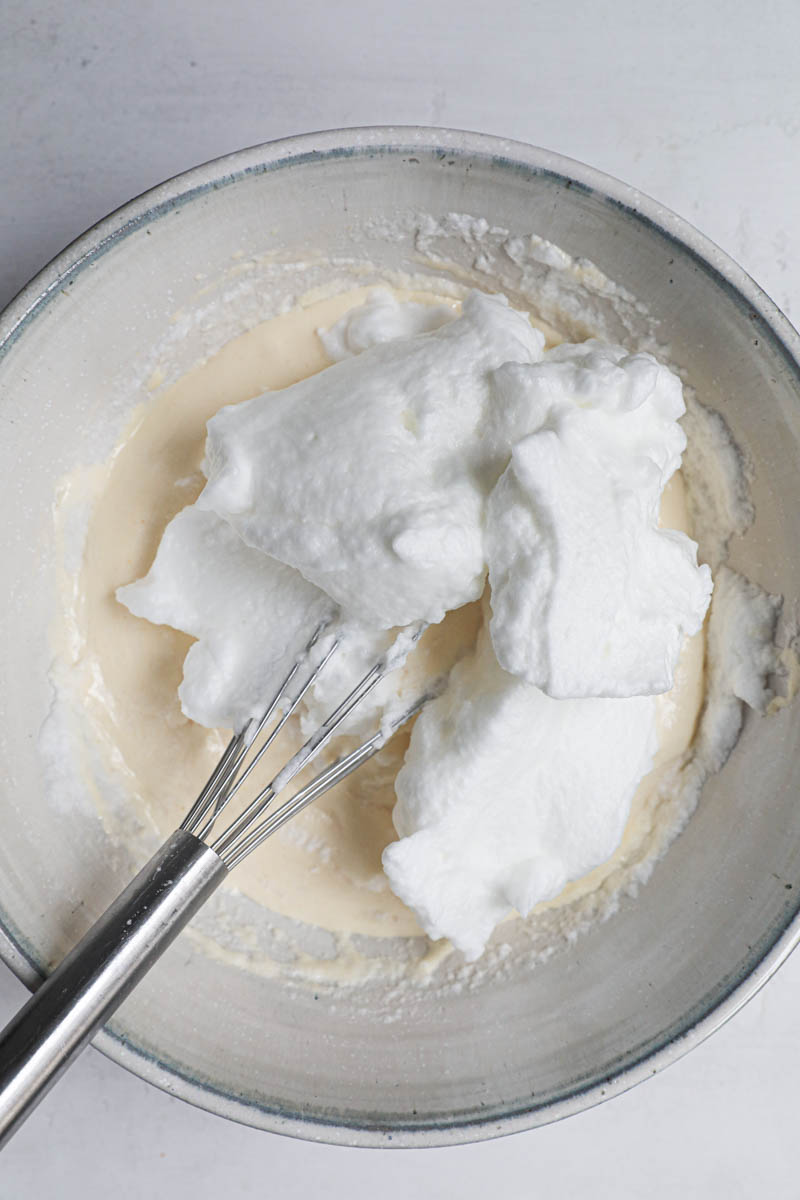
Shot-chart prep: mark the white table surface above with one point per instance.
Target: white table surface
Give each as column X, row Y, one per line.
column 697, row 104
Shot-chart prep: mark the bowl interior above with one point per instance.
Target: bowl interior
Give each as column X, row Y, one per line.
column 507, row 1054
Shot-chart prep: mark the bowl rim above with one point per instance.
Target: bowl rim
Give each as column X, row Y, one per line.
column 505, row 154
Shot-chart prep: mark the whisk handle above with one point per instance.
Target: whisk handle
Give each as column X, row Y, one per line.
column 82, row 993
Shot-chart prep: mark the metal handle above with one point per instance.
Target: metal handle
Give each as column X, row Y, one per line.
column 40, row 1042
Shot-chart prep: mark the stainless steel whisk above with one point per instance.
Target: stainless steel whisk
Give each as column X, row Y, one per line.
column 48, row 1033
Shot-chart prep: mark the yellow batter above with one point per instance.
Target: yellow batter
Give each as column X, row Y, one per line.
column 324, row 868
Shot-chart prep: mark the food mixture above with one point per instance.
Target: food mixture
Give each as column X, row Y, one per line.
column 384, row 457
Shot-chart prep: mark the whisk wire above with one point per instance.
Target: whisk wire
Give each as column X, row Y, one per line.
column 223, row 783
column 216, row 782
column 301, row 759
column 251, row 827
column 323, row 782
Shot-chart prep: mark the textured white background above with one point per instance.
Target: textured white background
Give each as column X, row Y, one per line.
column 697, row 103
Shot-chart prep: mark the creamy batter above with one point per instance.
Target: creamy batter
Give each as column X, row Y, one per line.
column 325, row 867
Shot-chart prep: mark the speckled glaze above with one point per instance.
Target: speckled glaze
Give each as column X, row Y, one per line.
column 721, row 911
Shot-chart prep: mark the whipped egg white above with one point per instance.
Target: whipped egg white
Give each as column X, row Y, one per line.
column 439, row 451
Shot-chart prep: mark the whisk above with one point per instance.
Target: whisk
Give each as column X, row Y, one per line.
column 48, row 1033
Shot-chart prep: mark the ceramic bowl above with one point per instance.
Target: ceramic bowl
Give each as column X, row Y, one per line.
column 718, row 916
